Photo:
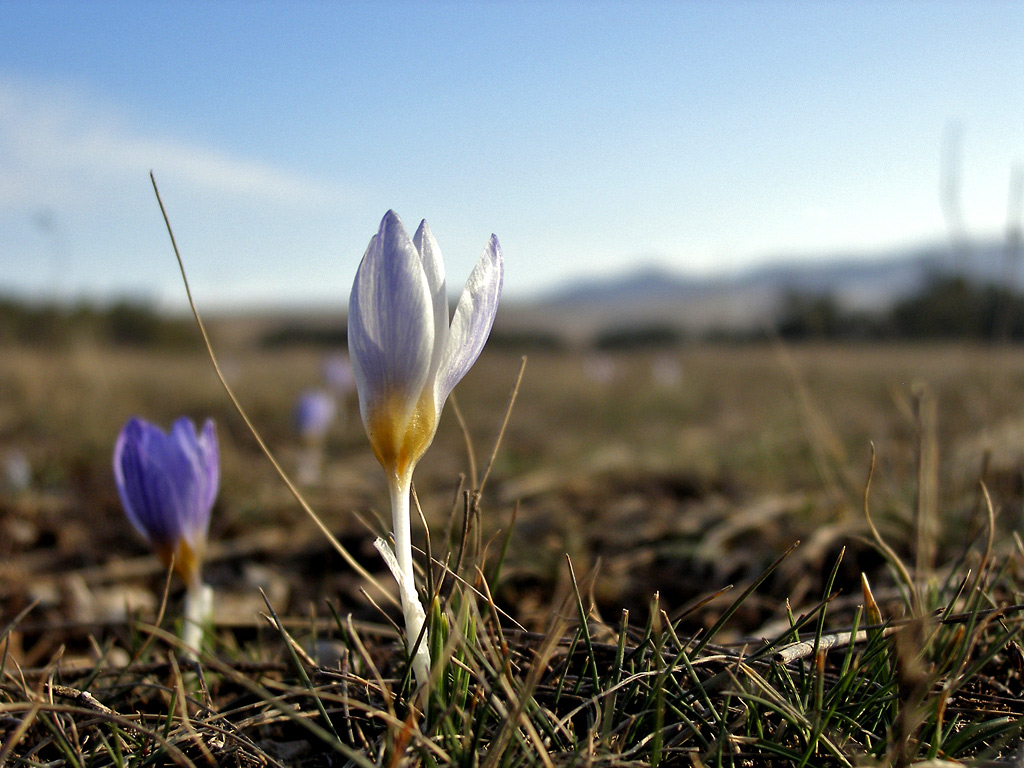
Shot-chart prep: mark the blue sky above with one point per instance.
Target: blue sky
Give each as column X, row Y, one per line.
column 590, row 137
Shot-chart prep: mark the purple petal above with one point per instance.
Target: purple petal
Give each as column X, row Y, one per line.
column 149, row 500
column 200, row 476
column 472, row 322
column 390, row 327
column 209, row 452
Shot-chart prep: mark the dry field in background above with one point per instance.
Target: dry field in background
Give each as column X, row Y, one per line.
column 674, row 472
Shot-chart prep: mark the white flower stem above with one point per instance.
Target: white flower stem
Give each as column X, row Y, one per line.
column 198, row 615
column 310, row 463
column 415, row 617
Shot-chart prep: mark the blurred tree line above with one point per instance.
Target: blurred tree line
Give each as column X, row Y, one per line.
column 947, row 307
column 123, row 323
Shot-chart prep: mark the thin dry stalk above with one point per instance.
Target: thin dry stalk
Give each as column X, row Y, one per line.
column 504, row 424
column 186, row 721
column 889, row 552
column 470, row 453
column 927, row 485
column 803, row 649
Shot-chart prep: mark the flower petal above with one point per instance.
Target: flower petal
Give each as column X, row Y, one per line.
column 472, row 322
column 209, row 453
column 433, row 267
column 149, row 496
column 168, row 482
column 390, row 325
column 194, row 461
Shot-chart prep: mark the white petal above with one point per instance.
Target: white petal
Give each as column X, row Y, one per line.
column 415, row 617
column 390, row 322
column 433, row 266
column 472, row 322
column 409, row 596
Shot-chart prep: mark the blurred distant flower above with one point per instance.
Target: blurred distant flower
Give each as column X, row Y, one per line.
column 17, row 472
column 407, row 357
column 314, row 413
column 341, row 381
column 168, row 483
column 337, row 370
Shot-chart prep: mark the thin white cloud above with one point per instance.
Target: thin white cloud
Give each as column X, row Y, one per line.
column 57, row 144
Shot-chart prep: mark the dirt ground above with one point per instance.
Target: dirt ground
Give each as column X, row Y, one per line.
column 678, row 472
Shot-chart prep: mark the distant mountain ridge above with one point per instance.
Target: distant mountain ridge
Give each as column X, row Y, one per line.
column 653, row 295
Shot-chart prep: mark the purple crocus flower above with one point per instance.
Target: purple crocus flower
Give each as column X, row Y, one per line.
column 168, row 483
column 314, row 413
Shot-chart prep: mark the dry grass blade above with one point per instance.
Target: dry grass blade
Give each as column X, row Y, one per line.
column 927, row 484
column 991, row 520
column 182, row 700
column 19, row 732
column 470, row 453
column 888, row 551
column 504, row 424
column 520, row 698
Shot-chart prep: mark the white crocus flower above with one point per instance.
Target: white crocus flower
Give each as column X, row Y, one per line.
column 407, row 357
